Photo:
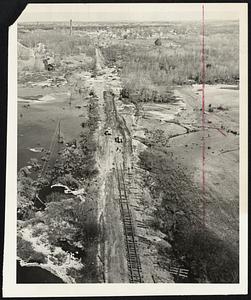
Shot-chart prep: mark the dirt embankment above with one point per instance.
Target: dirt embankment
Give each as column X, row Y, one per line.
column 112, row 254
column 141, row 202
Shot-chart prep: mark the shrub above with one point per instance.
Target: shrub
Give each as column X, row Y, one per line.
column 26, row 252
column 37, row 257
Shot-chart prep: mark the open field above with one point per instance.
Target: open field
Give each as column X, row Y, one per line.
column 110, row 152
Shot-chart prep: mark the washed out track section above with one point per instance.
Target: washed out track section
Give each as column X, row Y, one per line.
column 133, row 260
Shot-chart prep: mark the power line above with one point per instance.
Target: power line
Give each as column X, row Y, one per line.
column 51, row 150
column 52, row 145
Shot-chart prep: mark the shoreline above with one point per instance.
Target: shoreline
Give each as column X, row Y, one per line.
column 49, row 268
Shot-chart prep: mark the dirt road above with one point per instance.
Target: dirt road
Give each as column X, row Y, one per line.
column 112, row 249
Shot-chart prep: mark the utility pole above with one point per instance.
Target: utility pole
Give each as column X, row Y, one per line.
column 59, row 132
column 70, row 27
column 70, row 100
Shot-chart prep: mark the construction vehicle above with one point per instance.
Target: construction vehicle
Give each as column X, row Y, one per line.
column 108, row 131
column 118, row 139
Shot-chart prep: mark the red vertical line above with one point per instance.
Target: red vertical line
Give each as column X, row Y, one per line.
column 203, row 111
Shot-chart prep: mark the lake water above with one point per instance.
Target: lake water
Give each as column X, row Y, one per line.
column 35, row 275
column 38, row 121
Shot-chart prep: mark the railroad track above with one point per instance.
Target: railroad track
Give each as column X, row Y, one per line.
column 133, row 261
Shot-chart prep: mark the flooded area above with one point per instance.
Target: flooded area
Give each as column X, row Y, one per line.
column 37, row 122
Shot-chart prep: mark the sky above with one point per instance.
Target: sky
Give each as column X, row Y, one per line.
column 145, row 12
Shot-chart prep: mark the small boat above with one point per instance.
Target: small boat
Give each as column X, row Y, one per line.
column 37, row 149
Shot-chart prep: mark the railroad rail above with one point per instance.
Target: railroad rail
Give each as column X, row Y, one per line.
column 133, row 261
